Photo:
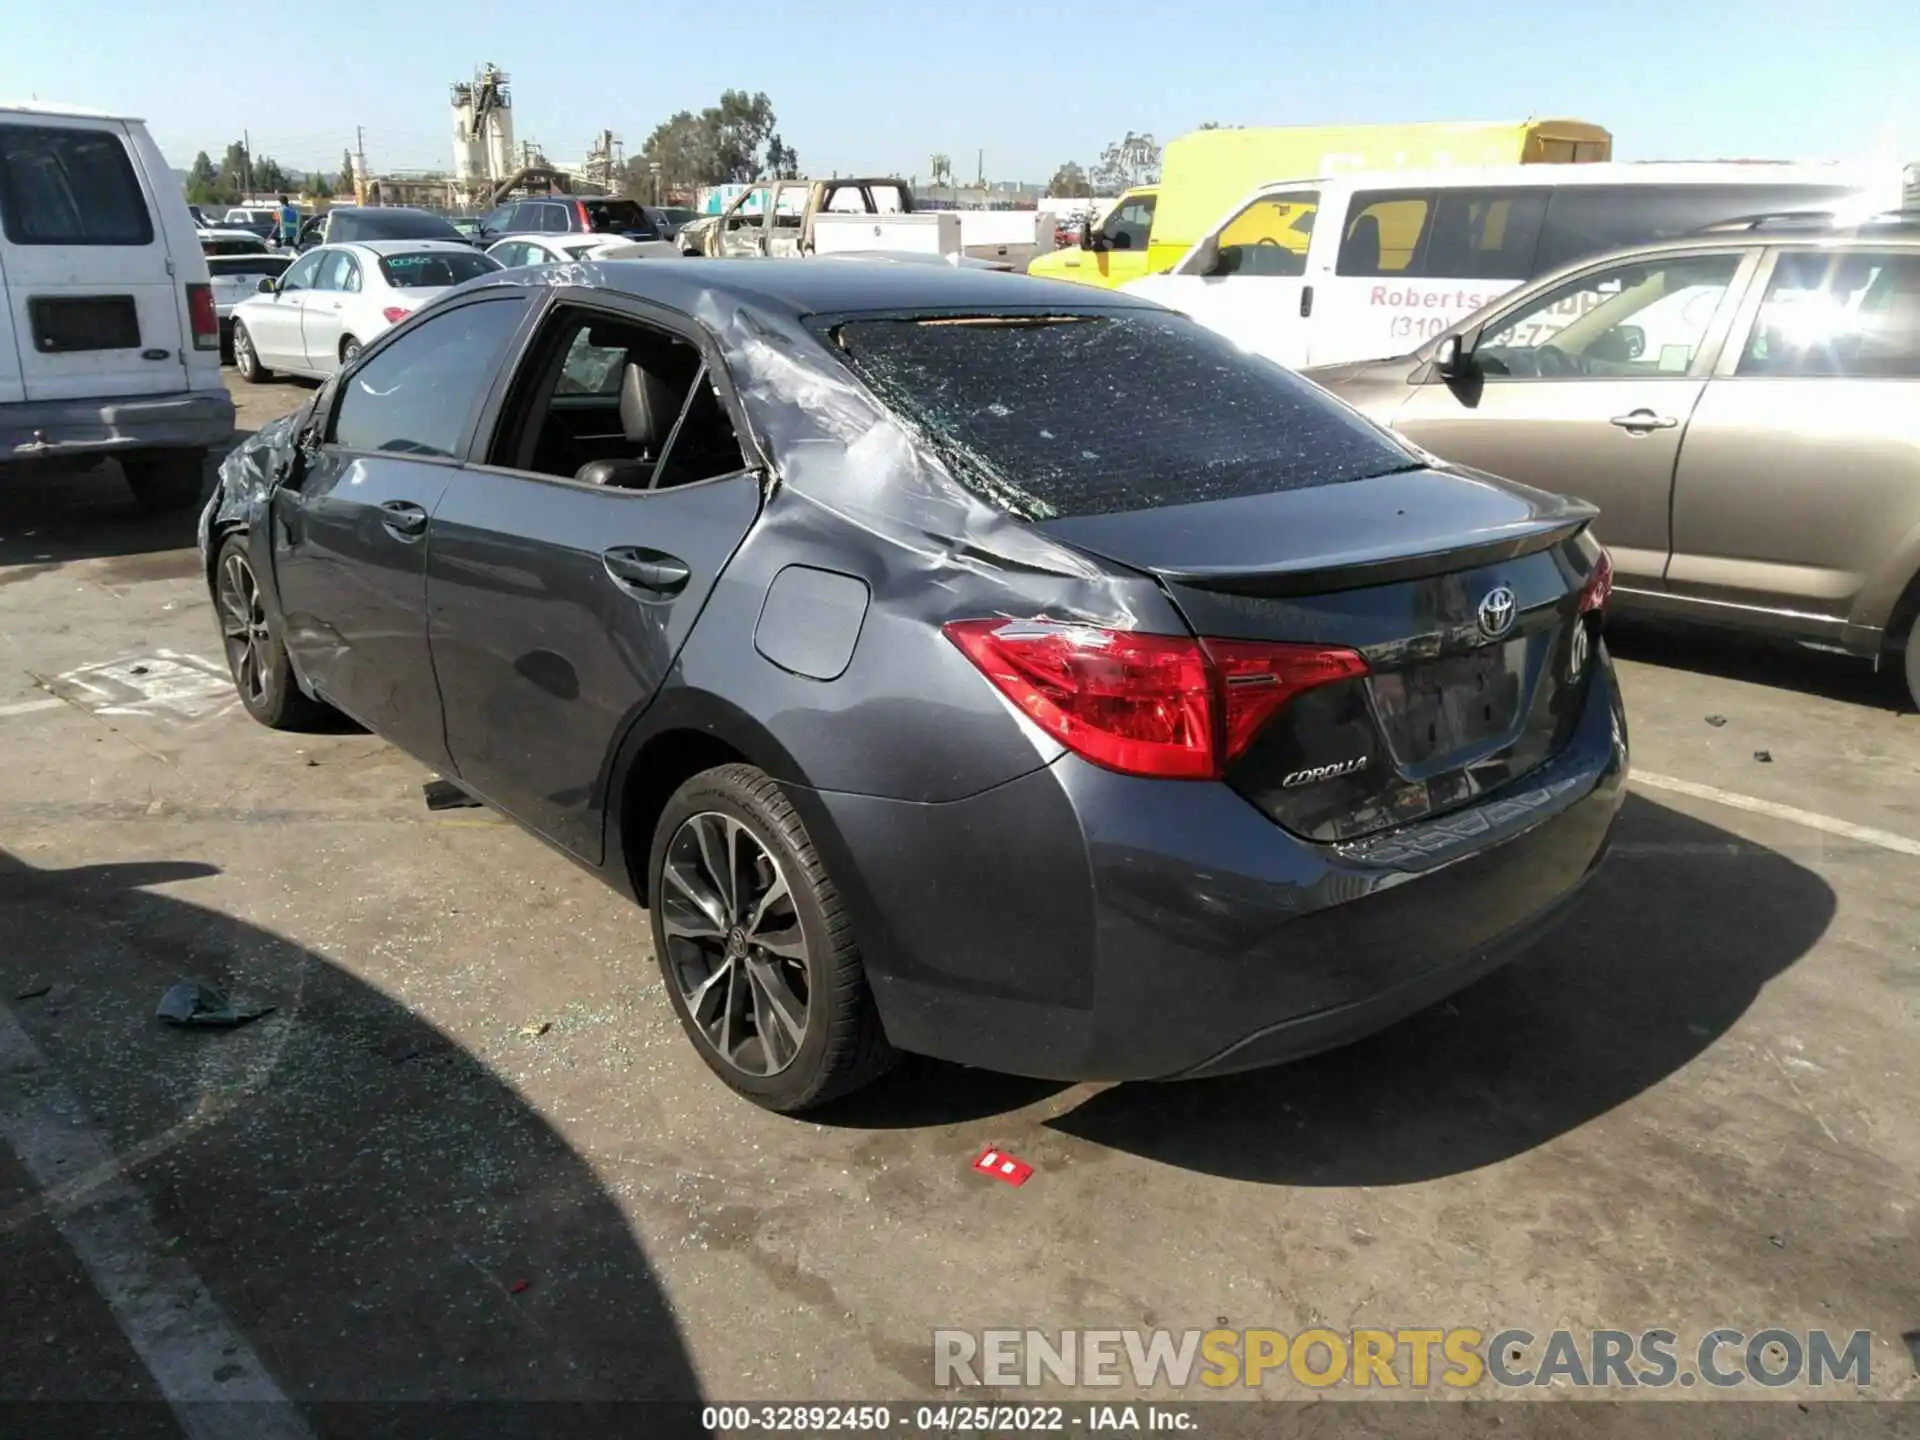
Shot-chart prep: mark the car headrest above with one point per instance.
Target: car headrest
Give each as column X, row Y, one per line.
column 1363, row 241
column 647, row 407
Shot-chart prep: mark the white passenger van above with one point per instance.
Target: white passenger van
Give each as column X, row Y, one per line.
column 109, row 340
column 1370, row 264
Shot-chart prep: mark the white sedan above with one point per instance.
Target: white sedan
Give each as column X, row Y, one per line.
column 514, row 250
column 335, row 299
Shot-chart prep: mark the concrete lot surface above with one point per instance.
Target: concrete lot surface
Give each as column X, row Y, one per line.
column 469, row 1154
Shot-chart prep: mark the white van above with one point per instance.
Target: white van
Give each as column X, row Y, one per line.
column 109, row 344
column 1370, row 264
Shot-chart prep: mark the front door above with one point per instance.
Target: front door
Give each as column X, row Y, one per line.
column 746, row 224
column 1250, row 285
column 322, row 316
column 273, row 321
column 350, row 537
column 557, row 604
column 1587, row 389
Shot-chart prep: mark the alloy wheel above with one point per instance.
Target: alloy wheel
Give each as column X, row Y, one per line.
column 243, row 627
column 349, row 352
column 734, row 944
column 243, row 351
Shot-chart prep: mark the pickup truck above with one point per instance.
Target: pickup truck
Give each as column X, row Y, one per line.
column 776, row 217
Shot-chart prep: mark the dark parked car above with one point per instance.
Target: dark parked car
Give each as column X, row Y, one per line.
column 345, row 224
column 950, row 662
column 568, row 215
column 667, row 219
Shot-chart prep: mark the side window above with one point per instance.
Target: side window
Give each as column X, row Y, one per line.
column 747, row 211
column 301, row 274
column 1269, row 237
column 350, row 282
column 1130, row 225
column 1851, row 313
column 333, row 274
column 1584, row 220
column 500, row 221
column 553, row 220
column 641, row 411
column 1384, row 232
column 1485, row 234
column 415, row 396
column 70, row 187
column 1643, row 319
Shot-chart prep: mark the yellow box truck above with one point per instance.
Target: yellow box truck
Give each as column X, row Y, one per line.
column 1204, row 173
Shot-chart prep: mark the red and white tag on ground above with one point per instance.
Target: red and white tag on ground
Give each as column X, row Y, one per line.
column 1002, row 1166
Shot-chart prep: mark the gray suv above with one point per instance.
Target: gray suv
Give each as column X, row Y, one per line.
column 1743, row 405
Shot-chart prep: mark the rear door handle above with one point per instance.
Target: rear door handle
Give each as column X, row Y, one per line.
column 1641, row 421
column 641, row 569
column 404, row 518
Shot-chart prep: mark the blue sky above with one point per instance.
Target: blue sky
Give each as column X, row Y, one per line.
column 883, row 84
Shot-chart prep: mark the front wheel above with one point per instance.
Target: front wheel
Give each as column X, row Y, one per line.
column 246, row 359
column 1910, row 661
column 256, row 656
column 756, row 949
column 349, row 350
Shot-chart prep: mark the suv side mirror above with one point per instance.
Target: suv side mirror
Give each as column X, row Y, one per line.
column 266, row 286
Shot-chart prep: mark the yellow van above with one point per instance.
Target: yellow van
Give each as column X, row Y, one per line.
column 1118, row 252
column 1206, row 173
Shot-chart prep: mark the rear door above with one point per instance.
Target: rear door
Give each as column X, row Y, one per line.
column 557, row 606
column 323, row 314
column 90, row 287
column 1586, row 388
column 1800, row 479
column 350, row 535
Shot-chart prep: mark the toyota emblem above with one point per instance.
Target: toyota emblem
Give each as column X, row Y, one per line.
column 1496, row 612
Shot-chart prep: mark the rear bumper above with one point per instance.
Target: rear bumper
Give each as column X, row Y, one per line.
column 58, row 429
column 1079, row 924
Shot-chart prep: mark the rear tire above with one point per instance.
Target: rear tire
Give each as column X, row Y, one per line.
column 349, row 350
column 246, row 359
column 168, row 483
column 256, row 657
column 754, row 947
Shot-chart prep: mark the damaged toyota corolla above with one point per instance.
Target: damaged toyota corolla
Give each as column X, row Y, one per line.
column 951, row 663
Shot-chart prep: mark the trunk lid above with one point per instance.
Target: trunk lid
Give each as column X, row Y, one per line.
column 1462, row 592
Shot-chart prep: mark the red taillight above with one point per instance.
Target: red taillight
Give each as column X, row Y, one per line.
column 396, row 313
column 585, row 222
column 202, row 317
column 1258, row 678
column 1593, row 594
column 1161, row 705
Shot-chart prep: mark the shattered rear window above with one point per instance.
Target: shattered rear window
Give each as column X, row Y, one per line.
column 1089, row 414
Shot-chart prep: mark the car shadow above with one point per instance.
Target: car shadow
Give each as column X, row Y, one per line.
column 51, row 519
column 381, row 1217
column 1756, row 659
column 1680, row 930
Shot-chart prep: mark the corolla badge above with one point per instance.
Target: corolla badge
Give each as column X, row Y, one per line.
column 1323, row 772
column 1497, row 611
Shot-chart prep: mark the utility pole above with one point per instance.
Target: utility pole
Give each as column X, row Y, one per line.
column 359, row 165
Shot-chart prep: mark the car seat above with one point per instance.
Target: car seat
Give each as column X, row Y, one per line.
column 648, row 407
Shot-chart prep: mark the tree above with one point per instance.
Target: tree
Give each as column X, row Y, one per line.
column 731, row 142
column 1069, row 182
column 1126, row 163
column 203, row 182
column 349, row 182
column 318, row 187
column 270, row 179
column 233, row 172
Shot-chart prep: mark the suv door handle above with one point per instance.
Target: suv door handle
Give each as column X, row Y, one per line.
column 642, row 569
column 1641, row 421
column 404, row 518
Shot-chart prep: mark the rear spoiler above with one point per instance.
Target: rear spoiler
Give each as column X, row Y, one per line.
column 1356, row 571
